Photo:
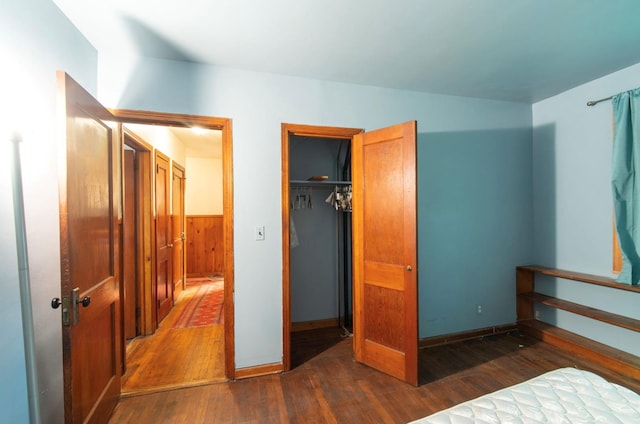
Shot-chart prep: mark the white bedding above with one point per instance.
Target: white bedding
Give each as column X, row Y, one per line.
column 566, row 395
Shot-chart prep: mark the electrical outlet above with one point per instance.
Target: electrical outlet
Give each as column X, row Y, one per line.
column 479, row 309
column 537, row 314
column 260, row 233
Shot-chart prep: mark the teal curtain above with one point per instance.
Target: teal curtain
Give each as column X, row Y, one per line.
column 626, row 181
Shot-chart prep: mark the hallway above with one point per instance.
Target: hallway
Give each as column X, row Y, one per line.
column 175, row 357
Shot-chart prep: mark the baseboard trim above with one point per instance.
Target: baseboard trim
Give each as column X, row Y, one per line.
column 259, row 370
column 466, row 335
column 313, row 325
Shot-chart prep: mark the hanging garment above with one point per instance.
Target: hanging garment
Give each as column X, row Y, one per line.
column 293, row 234
column 345, row 198
column 332, row 199
column 302, row 199
column 340, row 198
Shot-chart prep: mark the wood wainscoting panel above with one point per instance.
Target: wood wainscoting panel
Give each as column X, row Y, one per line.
column 205, row 245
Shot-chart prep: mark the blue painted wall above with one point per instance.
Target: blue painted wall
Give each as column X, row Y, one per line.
column 316, row 264
column 475, row 226
column 37, row 39
column 259, row 103
column 573, row 204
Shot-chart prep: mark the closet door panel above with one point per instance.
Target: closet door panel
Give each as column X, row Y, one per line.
column 384, row 244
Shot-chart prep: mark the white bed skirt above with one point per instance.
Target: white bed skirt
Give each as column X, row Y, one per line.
column 566, row 395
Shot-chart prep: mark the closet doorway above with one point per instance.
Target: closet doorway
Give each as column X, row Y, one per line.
column 137, row 233
column 316, row 238
column 384, row 244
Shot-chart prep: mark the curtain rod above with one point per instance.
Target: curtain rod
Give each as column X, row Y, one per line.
column 595, row 102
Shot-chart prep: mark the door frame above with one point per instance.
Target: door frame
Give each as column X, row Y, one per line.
column 225, row 126
column 304, row 131
column 145, row 259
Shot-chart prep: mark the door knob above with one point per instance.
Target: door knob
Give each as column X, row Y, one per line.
column 169, row 245
column 56, row 302
column 409, row 268
column 85, row 301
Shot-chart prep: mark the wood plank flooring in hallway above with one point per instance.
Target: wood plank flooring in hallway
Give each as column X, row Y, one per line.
column 174, row 358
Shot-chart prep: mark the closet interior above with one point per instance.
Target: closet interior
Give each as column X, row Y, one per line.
column 320, row 236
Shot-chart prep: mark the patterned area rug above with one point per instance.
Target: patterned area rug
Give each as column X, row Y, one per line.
column 204, row 308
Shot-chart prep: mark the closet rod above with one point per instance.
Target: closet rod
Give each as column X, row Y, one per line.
column 317, row 183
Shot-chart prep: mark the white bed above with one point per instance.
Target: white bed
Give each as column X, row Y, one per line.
column 566, row 395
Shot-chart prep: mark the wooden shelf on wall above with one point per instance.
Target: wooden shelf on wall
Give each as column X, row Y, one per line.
column 579, row 276
column 607, row 356
column 614, row 359
column 586, row 311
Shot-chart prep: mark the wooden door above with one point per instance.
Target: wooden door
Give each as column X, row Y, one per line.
column 129, row 256
column 89, row 256
column 177, row 228
column 384, row 250
column 164, row 283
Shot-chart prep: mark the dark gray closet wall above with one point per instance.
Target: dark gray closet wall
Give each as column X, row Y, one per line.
column 316, row 264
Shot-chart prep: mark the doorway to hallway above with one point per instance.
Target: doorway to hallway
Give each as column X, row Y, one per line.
column 167, row 344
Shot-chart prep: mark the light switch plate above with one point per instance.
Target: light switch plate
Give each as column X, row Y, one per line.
column 260, row 233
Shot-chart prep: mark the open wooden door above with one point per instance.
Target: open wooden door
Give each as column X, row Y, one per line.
column 164, row 257
column 89, row 255
column 177, row 228
column 384, row 250
column 129, row 246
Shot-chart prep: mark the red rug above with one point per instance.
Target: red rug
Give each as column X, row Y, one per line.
column 204, row 308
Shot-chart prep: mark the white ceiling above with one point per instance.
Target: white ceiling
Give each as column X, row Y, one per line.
column 517, row 50
column 203, row 143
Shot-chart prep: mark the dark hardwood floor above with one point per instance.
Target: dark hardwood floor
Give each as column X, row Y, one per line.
column 308, row 344
column 329, row 387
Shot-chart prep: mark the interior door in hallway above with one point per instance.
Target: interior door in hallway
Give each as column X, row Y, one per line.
column 89, row 195
column 384, row 250
column 129, row 272
column 164, row 257
column 177, row 228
